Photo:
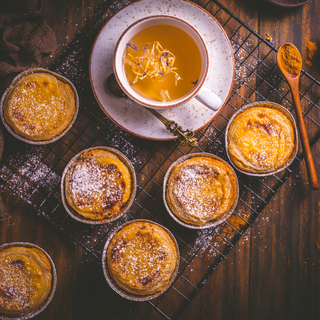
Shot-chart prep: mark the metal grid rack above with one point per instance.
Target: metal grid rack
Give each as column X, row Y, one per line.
column 34, row 172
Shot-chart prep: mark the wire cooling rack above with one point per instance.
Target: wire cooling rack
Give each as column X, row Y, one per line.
column 34, row 172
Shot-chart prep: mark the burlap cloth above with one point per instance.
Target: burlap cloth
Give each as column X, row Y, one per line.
column 25, row 36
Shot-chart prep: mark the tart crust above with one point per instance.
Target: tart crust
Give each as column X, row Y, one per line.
column 260, row 140
column 39, row 107
column 98, row 184
column 25, row 280
column 201, row 189
column 142, row 258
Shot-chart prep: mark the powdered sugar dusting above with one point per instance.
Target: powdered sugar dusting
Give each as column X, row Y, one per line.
column 37, row 107
column 192, row 183
column 96, row 187
column 140, row 256
column 19, row 284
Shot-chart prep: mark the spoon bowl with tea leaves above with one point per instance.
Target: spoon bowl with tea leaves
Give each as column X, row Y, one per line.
column 290, row 63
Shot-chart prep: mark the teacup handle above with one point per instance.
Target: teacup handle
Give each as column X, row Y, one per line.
column 208, row 98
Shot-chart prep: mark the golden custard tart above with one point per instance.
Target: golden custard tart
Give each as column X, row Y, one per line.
column 140, row 260
column 27, row 280
column 261, row 138
column 40, row 106
column 98, row 185
column 200, row 190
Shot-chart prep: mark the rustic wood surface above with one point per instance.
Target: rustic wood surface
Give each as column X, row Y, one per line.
column 274, row 270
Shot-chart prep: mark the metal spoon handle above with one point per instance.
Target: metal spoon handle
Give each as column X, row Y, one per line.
column 187, row 138
column 311, row 170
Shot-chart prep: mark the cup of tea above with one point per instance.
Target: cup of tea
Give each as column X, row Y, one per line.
column 162, row 62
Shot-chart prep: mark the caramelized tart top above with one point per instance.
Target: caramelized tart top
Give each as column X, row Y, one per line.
column 201, row 189
column 260, row 139
column 98, row 184
column 39, row 106
column 25, row 279
column 141, row 258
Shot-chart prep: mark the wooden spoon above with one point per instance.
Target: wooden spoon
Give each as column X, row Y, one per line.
column 293, row 80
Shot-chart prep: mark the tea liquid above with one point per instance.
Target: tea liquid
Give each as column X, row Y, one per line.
column 188, row 62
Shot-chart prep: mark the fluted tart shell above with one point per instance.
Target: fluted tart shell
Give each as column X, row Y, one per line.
column 25, row 280
column 142, row 258
column 98, row 184
column 201, row 189
column 39, row 107
column 260, row 140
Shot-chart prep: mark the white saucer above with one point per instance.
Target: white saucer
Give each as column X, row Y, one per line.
column 193, row 115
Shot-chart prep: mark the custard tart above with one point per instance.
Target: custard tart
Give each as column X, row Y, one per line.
column 142, row 258
column 261, row 139
column 26, row 279
column 201, row 190
column 98, row 184
column 39, row 106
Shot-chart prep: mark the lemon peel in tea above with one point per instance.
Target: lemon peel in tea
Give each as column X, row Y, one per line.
column 155, row 62
column 162, row 63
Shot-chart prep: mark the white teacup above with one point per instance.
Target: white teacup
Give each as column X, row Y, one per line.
column 199, row 91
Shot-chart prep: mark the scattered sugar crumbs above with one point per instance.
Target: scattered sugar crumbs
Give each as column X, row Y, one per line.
column 246, row 60
column 27, row 175
column 119, row 4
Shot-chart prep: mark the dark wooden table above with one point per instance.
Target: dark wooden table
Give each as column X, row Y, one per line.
column 274, row 270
